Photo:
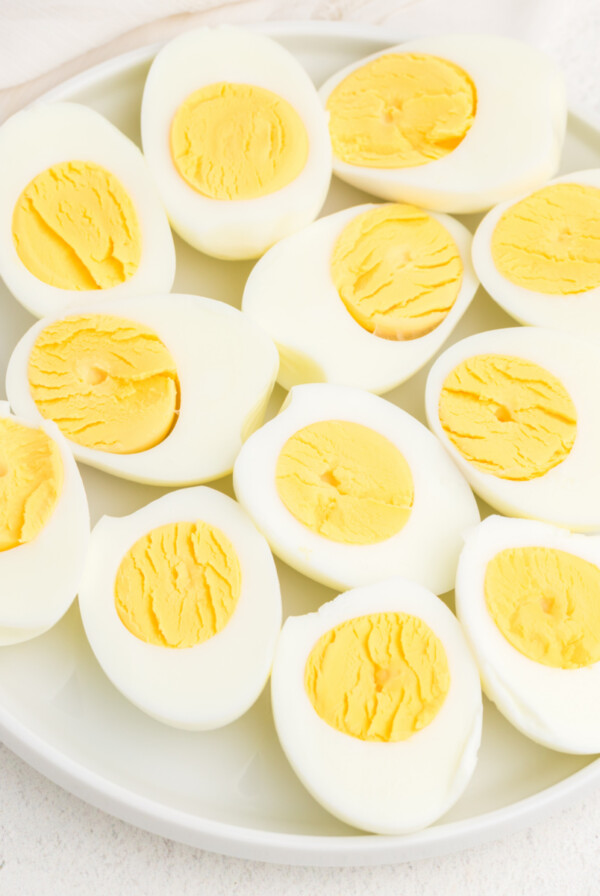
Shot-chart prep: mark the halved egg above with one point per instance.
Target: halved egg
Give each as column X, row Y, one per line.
column 181, row 605
column 159, row 389
column 44, row 527
column 349, row 490
column 236, row 139
column 454, row 123
column 363, row 297
column 377, row 705
column 517, row 411
column 80, row 216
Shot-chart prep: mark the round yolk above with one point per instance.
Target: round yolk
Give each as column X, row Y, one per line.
column 237, row 141
column 546, row 603
column 397, row 270
column 345, row 482
column 380, row 677
column 549, row 242
column 178, row 585
column 508, row 416
column 108, row 383
column 31, row 478
column 75, row 227
column 400, row 110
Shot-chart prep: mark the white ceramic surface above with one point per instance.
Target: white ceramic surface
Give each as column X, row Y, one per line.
column 232, row 790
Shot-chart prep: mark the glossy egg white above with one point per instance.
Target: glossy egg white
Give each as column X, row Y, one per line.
column 387, row 788
column 426, row 549
column 215, row 682
column 553, row 706
column 39, row 579
column 577, row 313
column 513, row 145
column 568, row 494
column 46, row 134
column 291, row 294
column 233, row 228
column 226, row 368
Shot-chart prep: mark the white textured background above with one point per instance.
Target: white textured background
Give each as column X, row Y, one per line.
column 51, row 842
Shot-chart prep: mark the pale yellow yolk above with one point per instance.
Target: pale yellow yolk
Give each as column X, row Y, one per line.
column 345, row 482
column 397, row 271
column 107, row 382
column 237, row 141
column 401, row 110
column 550, row 242
column 508, row 416
column 75, row 227
column 546, row 603
column 178, row 585
column 31, row 478
column 380, row 677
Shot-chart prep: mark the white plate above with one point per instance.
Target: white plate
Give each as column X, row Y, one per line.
column 232, row 790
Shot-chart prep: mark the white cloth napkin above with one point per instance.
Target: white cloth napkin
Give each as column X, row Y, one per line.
column 36, row 36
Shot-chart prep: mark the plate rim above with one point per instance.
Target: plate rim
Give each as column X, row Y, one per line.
column 238, row 840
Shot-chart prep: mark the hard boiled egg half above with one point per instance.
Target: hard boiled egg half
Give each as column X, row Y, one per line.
column 80, row 217
column 349, row 490
column 517, row 410
column 159, row 389
column 180, row 602
column 454, row 123
column 377, row 704
column 363, row 297
column 44, row 527
column 236, row 139
column 539, row 256
column 528, row 596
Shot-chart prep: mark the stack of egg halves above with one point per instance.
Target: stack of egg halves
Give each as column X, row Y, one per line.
column 376, row 696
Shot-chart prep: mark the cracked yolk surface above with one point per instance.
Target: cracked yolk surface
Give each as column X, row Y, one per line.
column 550, row 241
column 401, row 110
column 75, row 227
column 397, row 270
column 31, row 479
column 380, row 677
column 178, row 585
column 546, row 603
column 109, row 383
column 237, row 141
column 345, row 482
column 508, row 416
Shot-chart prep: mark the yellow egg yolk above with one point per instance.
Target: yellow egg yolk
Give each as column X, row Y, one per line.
column 549, row 242
column 107, row 382
column 546, row 603
column 401, row 110
column 397, row 270
column 31, row 479
column 345, row 482
column 237, row 141
column 508, row 416
column 380, row 677
column 75, row 227
column 178, row 585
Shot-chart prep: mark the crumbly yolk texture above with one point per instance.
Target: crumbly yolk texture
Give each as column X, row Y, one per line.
column 550, row 241
column 380, row 677
column 345, row 482
column 178, row 585
column 237, row 141
column 109, row 383
column 31, row 479
column 546, row 603
column 508, row 416
column 75, row 227
column 401, row 110
column 397, row 270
